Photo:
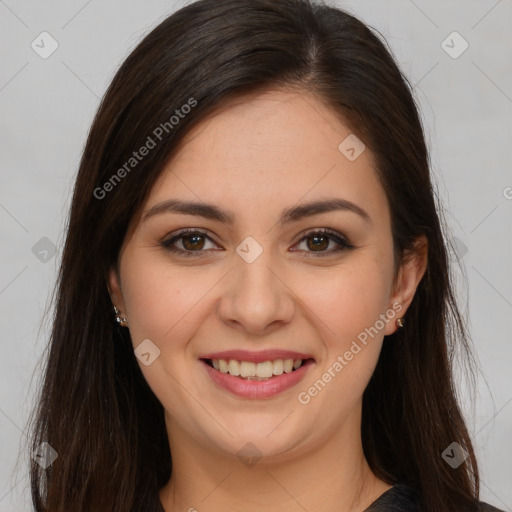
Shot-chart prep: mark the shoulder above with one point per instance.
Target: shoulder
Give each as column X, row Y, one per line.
column 401, row 498
column 485, row 507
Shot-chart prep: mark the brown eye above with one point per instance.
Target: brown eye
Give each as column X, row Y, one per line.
column 318, row 241
column 192, row 241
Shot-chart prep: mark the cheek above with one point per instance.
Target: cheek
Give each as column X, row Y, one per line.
column 163, row 304
column 162, row 301
column 348, row 301
column 347, row 306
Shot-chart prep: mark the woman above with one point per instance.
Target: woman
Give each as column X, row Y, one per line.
column 254, row 307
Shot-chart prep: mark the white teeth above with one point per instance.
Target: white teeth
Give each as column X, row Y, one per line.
column 288, row 365
column 247, row 369
column 265, row 369
column 277, row 368
column 234, row 367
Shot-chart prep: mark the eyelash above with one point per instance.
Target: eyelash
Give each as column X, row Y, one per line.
column 333, row 235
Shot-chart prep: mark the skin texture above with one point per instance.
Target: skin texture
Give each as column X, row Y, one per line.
column 255, row 157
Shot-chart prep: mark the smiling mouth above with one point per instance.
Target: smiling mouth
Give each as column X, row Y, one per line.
column 265, row 370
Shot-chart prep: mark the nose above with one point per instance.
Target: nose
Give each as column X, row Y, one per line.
column 257, row 297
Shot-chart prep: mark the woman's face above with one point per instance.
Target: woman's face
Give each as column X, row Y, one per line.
column 260, row 281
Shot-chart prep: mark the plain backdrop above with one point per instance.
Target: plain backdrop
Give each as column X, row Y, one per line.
column 47, row 105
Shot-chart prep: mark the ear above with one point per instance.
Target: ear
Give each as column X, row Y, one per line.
column 411, row 272
column 114, row 288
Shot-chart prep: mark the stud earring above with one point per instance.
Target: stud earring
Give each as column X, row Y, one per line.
column 121, row 320
column 400, row 322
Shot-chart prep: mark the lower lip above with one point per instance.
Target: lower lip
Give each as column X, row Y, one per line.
column 254, row 388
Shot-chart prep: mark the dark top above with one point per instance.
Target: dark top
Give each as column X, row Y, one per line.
column 399, row 498
column 402, row 498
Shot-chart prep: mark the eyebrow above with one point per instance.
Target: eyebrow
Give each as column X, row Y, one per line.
column 293, row 214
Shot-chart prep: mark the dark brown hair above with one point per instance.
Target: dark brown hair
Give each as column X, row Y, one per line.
column 95, row 407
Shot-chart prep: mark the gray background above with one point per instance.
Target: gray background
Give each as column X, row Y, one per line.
column 47, row 106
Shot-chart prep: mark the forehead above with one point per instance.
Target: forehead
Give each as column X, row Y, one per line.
column 269, row 150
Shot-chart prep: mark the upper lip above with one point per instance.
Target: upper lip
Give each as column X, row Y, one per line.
column 256, row 357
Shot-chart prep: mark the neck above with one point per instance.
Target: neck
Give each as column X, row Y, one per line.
column 327, row 477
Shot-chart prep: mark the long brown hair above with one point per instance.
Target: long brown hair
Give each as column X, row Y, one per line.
column 95, row 407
